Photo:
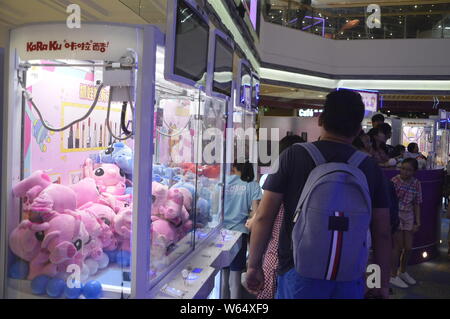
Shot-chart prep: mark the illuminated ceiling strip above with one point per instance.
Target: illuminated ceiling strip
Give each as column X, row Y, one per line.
column 310, row 80
column 290, row 77
column 229, row 23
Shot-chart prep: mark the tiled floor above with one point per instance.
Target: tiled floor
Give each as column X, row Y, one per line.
column 433, row 277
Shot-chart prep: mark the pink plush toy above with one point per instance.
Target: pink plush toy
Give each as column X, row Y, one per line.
column 86, row 191
column 31, row 187
column 187, row 198
column 108, row 177
column 62, row 244
column 159, row 197
column 93, row 247
column 122, row 227
column 41, row 196
column 172, row 209
column 25, row 240
column 105, row 216
column 162, row 233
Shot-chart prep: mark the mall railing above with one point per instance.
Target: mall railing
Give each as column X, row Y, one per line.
column 406, row 19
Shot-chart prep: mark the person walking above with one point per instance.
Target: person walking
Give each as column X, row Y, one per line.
column 340, row 123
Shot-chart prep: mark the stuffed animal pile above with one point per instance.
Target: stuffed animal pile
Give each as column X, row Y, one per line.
column 88, row 224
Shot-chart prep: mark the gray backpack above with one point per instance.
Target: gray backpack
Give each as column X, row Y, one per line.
column 332, row 220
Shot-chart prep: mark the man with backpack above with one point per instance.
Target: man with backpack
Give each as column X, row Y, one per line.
column 336, row 207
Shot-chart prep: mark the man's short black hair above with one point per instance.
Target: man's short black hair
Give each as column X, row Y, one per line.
column 343, row 113
column 385, row 128
column 411, row 147
column 378, row 118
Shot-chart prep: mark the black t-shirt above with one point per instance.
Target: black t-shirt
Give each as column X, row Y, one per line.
column 294, row 167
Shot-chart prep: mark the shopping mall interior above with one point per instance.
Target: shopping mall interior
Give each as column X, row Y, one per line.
column 126, row 125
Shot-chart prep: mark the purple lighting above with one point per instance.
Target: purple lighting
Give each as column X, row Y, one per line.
column 320, row 21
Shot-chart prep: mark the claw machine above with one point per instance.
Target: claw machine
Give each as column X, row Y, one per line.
column 193, row 91
column 442, row 140
column 420, row 131
column 76, row 174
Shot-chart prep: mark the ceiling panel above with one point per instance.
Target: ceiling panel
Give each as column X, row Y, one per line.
column 18, row 12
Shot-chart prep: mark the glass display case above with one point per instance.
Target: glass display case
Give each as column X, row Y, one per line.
column 105, row 192
column 75, row 185
column 189, row 129
column 442, row 140
column 419, row 131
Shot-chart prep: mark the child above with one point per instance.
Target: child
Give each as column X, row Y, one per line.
column 409, row 195
column 242, row 196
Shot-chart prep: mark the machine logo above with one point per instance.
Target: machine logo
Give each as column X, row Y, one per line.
column 74, row 19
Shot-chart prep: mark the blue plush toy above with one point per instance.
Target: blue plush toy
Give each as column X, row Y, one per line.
column 123, row 258
column 93, row 289
column 158, row 169
column 203, row 211
column 39, row 284
column 189, row 186
column 119, row 154
column 73, row 293
column 19, row 269
column 123, row 157
column 112, row 255
column 55, row 287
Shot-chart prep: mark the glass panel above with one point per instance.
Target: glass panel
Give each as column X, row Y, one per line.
column 174, row 171
column 442, row 150
column 210, row 172
column 75, row 218
column 420, row 132
column 354, row 20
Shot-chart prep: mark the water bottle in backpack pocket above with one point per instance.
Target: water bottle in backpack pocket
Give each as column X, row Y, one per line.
column 332, row 220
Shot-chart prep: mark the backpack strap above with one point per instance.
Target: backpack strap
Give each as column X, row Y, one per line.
column 357, row 158
column 314, row 153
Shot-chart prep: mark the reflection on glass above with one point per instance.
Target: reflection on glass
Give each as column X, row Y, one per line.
column 75, row 218
column 174, row 168
column 187, row 170
column 223, row 67
column 210, row 172
column 355, row 21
